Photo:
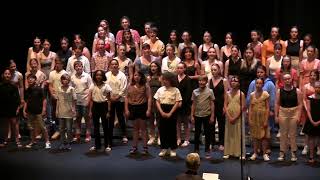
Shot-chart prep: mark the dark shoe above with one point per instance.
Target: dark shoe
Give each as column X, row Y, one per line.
column 145, row 151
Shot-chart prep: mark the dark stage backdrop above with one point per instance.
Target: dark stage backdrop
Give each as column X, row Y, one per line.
column 54, row 19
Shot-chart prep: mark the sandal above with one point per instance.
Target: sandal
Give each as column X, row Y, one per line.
column 93, row 148
column 133, row 150
column 145, row 150
column 19, row 145
column 311, row 160
column 30, row 145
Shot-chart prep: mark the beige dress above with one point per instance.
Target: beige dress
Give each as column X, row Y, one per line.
column 232, row 139
column 259, row 111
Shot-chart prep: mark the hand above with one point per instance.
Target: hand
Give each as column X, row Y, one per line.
column 192, row 119
column 44, row 113
column 74, row 112
column 22, row 102
column 212, row 119
column 108, row 114
column 265, row 124
column 148, row 113
column 169, row 115
column 127, row 113
column 271, row 113
column 25, row 115
column 17, row 111
column 90, row 114
column 276, row 118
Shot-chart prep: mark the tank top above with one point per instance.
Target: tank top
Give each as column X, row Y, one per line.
column 288, row 99
column 131, row 54
column 204, row 54
column 218, row 92
column 234, row 67
column 274, row 65
column 293, row 48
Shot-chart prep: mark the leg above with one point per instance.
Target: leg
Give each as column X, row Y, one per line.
column 88, row 123
column 206, row 128
column 62, row 122
column 179, row 120
column 284, row 126
column 135, row 133
column 197, row 133
column 293, row 130
column 69, row 122
column 121, row 119
column 96, row 124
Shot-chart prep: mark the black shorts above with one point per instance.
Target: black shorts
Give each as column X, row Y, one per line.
column 138, row 111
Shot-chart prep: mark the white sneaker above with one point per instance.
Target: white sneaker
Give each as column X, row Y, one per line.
column 293, row 157
column 185, row 144
column 178, row 142
column 266, row 157
column 159, row 143
column 124, row 140
column 253, row 157
column 305, row 150
column 173, row 153
column 278, row 135
column 48, row 145
column 318, row 151
column 163, row 152
column 281, row 157
column 150, row 142
column 226, row 156
column 108, row 149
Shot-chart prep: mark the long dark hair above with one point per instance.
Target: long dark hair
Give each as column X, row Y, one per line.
column 143, row 79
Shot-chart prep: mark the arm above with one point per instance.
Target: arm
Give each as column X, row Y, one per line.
column 21, row 89
column 137, row 51
column 308, row 109
column 264, row 53
column 226, row 69
column 277, row 106
column 216, row 47
column 174, row 108
column 267, row 66
column 159, row 108
column 221, row 53
column 112, row 49
column 126, row 106
column 44, row 107
column 200, row 53
column 53, row 64
column 250, row 112
column 265, row 124
column 212, row 119
column 123, row 87
column 193, row 108
column 94, row 43
column 130, row 65
column 300, row 105
column 149, row 100
column 195, row 49
column 226, row 102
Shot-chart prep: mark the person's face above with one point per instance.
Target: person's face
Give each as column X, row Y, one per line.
column 77, row 52
column 146, row 51
column 65, row 82
column 34, row 65
column 101, row 31
column 215, row 70
column 153, row 35
column 234, row 83
column 103, row 24
column 77, row 40
column 228, row 39
column 206, row 37
column 121, row 51
column 153, row 68
column 59, row 65
column 166, row 82
column 114, row 65
column 294, row 33
column 99, row 76
column 180, row 69
column 259, row 84
column 147, row 28
column 46, row 45
column 249, row 54
column 125, row 24
column 136, row 77
column 307, row 40
column 277, row 51
column 234, row 52
column 310, row 52
column 202, row 83
column 101, row 45
column 170, row 51
column 78, row 68
column 313, row 77
column 7, row 75
column 212, row 53
column 286, row 62
column 254, row 36
column 127, row 35
column 37, row 42
column 274, row 32
column 64, row 44
column 287, row 79
column 13, row 67
column 31, row 81
column 261, row 73
column 185, row 36
column 188, row 54
column 173, row 36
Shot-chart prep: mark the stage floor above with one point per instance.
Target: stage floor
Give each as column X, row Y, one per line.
column 79, row 164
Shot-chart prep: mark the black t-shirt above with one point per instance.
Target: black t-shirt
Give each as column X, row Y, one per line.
column 34, row 97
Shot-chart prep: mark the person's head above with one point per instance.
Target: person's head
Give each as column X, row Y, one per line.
column 78, row 66
column 311, row 52
column 249, row 53
column 64, row 43
column 114, row 65
column 235, row 51
column 101, row 32
column 274, row 33
column 212, row 53
column 12, row 66
column 121, row 50
column 186, row 37
column 202, row 80
column 31, row 78
column 99, row 77
column 256, row 36
column 187, row 53
column 58, row 64
column 65, row 79
column 234, row 82
column 46, row 45
column 287, row 79
column 181, row 68
column 77, row 39
column 170, row 50
column 216, row 70
column 139, row 78
column 193, row 161
column 146, row 51
column 259, row 84
column 127, row 36
column 78, row 48
column 317, row 87
column 261, row 72
column 314, row 76
column 173, row 37
column 277, row 49
column 207, row 37
column 229, row 38
column 101, row 45
column 125, row 22
column 307, row 40
column 294, row 32
column 7, row 75
column 147, row 27
column 34, row 64
column 155, row 68
column 105, row 24
column 169, row 79
column 286, row 63
column 154, row 33
column 37, row 43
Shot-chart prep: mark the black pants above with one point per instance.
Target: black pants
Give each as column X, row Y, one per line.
column 220, row 117
column 4, row 123
column 198, row 124
column 167, row 128
column 99, row 110
column 118, row 107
